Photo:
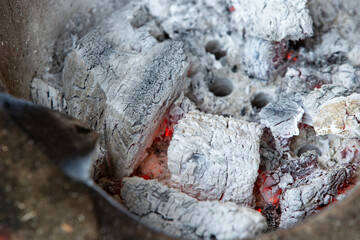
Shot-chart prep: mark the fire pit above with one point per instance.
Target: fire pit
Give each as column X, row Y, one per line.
column 217, row 119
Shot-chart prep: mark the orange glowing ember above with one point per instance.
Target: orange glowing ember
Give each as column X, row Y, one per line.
column 146, row 177
column 232, row 9
column 168, row 132
column 289, row 56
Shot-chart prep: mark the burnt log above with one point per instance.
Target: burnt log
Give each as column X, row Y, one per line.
column 120, row 81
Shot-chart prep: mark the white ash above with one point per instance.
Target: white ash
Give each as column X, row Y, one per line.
column 330, row 14
column 316, row 98
column 121, row 81
column 340, row 116
column 177, row 214
column 273, row 20
column 348, row 76
column 306, row 78
column 155, row 164
column 180, row 107
column 305, row 195
column 332, row 151
column 354, row 55
column 46, row 91
column 215, row 45
column 215, row 158
column 268, row 25
column 259, row 57
column 238, row 51
column 308, row 176
column 282, row 117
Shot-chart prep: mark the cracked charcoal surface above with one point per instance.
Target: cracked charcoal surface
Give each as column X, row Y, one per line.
column 339, row 116
column 120, row 80
column 274, row 20
column 215, row 158
column 176, row 213
column 48, row 93
column 253, row 61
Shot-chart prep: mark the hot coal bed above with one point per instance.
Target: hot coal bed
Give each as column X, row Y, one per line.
column 219, row 119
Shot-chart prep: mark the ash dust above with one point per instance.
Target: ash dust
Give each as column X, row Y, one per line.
column 269, row 105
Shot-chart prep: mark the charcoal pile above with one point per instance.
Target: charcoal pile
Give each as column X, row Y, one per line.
column 219, row 119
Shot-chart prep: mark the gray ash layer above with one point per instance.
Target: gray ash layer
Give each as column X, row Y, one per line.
column 169, row 210
column 210, row 156
column 268, row 115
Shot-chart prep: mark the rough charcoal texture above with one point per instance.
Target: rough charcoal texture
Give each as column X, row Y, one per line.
column 339, row 116
column 121, row 81
column 257, row 54
column 175, row 213
column 331, row 109
column 274, row 20
column 282, row 117
column 307, row 194
column 267, row 25
column 47, row 92
column 215, row 158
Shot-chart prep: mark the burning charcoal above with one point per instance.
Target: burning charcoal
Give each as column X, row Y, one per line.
column 154, row 165
column 121, row 81
column 282, row 117
column 48, row 93
column 261, row 58
column 318, row 97
column 273, row 20
column 215, row 158
column 177, row 214
column 305, row 79
column 302, row 167
column 307, row 194
column 339, row 116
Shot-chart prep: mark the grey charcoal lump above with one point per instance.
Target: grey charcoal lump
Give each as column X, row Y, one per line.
column 121, row 81
column 305, row 195
column 215, row 158
column 47, row 92
column 177, row 214
column 292, row 108
column 274, row 20
column 282, row 117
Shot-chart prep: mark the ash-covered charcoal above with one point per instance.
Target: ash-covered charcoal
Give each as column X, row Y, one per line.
column 270, row 155
column 354, row 55
column 215, row 158
column 306, row 195
column 121, row 81
column 333, row 14
column 155, row 164
column 47, row 91
column 262, row 58
column 308, row 177
column 311, row 108
column 273, row 20
column 267, row 117
column 305, row 79
column 268, row 26
column 177, row 214
column 301, row 167
column 340, row 116
column 282, row 117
